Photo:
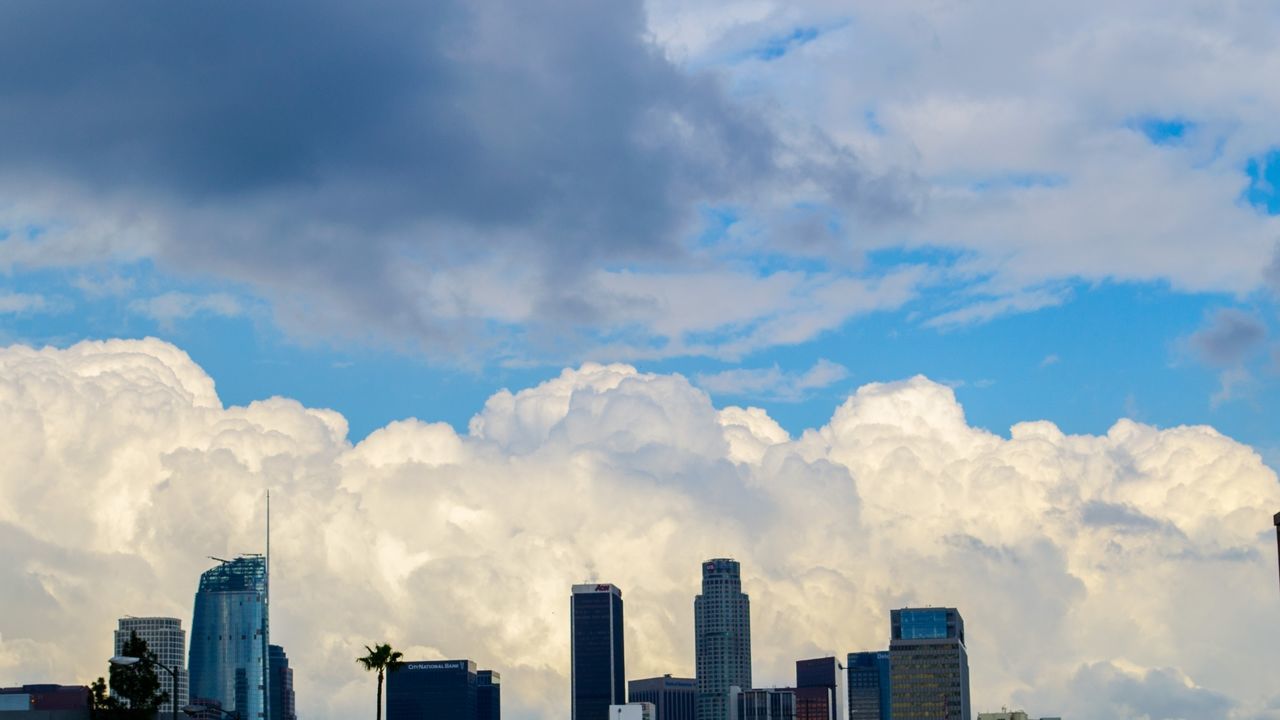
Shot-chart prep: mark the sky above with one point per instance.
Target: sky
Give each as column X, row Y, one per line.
column 896, row 303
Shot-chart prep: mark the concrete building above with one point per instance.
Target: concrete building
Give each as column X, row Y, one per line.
column 1007, row 714
column 632, row 711
column 597, row 671
column 722, row 637
column 765, row 704
column 166, row 638
column 928, row 665
column 673, row 698
column 820, row 693
column 45, row 702
column 868, row 683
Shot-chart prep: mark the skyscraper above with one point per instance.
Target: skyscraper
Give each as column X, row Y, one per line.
column 722, row 637
column 820, row 689
column 280, row 685
column 928, row 665
column 672, row 698
column 229, row 637
column 488, row 695
column 432, row 690
column 166, row 638
column 868, row 685
column 767, row 704
column 598, row 674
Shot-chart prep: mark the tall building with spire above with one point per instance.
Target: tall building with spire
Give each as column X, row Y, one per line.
column 598, row 675
column 229, row 637
column 166, row 638
column 722, row 637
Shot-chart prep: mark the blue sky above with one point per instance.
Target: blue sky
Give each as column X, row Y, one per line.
column 1060, row 212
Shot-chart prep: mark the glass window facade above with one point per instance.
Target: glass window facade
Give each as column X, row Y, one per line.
column 488, row 695
column 672, row 698
column 166, row 638
column 928, row 665
column 229, row 633
column 432, row 690
column 598, row 672
column 722, row 637
column 283, row 703
column 869, row 685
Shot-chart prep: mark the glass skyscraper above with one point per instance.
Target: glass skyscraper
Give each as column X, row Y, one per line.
column 672, row 698
column 432, row 690
column 229, row 638
column 597, row 671
column 928, row 665
column 722, row 637
column 869, row 685
column 166, row 638
column 283, row 703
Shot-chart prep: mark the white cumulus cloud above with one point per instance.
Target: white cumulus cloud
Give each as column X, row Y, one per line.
column 1094, row 572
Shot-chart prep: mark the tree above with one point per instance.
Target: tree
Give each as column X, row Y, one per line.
column 138, row 684
column 98, row 697
column 380, row 659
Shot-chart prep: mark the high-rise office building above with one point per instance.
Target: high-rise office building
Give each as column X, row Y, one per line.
column 766, row 704
column 280, row 685
column 229, row 638
column 432, row 690
column 598, row 675
column 722, row 637
column 165, row 637
column 672, row 698
column 820, row 693
column 928, row 665
column 868, row 682
column 488, row 695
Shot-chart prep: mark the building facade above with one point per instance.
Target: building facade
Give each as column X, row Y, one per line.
column 868, row 683
column 488, row 695
column 165, row 637
column 673, row 698
column 597, row 670
column 928, row 665
column 820, row 693
column 722, row 637
column 766, row 704
column 432, row 690
column 283, row 703
column 632, row 711
column 229, row 638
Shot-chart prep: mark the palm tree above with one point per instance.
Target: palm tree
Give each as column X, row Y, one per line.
column 380, row 658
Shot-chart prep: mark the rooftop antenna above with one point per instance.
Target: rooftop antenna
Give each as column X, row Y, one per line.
column 224, row 562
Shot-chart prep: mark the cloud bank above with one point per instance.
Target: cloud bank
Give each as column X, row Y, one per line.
column 1094, row 572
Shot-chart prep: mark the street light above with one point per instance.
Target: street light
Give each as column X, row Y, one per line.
column 192, row 710
column 127, row 660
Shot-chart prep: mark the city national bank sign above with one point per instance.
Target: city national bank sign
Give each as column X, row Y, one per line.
column 434, row 666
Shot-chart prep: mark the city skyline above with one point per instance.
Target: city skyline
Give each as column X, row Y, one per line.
column 971, row 305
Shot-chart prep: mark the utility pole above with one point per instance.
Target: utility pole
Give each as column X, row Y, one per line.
column 1277, row 521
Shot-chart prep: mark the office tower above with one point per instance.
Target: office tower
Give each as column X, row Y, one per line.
column 820, row 693
column 488, row 695
column 597, row 673
column 280, row 686
column 632, row 711
column 672, row 698
column 165, row 637
column 928, row 665
column 722, row 637
column 766, row 704
column 868, row 685
column 432, row 690
column 229, row 637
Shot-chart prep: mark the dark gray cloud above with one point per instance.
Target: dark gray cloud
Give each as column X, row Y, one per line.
column 1157, row 694
column 1229, row 337
column 342, row 158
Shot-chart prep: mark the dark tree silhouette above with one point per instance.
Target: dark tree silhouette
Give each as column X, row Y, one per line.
column 380, row 659
column 138, row 684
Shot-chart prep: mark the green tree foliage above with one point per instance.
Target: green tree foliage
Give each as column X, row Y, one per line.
column 138, row 684
column 380, row 659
